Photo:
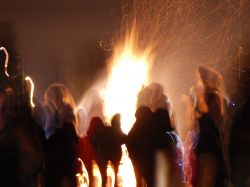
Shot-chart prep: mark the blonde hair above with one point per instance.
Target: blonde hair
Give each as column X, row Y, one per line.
column 57, row 95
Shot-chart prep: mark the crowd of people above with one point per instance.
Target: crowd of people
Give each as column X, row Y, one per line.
column 40, row 145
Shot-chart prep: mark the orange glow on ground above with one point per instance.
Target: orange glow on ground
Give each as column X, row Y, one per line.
column 110, row 175
column 97, row 177
column 83, row 178
column 126, row 174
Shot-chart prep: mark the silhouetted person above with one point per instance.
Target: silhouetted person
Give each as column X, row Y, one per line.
column 59, row 108
column 162, row 125
column 8, row 151
column 141, row 147
column 62, row 157
column 22, row 144
column 240, row 150
column 90, row 147
column 212, row 146
column 150, row 136
column 107, row 144
column 166, row 143
column 117, row 139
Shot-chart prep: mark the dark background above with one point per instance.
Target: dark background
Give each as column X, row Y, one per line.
column 62, row 41
column 59, row 41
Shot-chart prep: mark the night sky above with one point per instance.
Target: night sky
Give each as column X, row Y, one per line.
column 59, row 41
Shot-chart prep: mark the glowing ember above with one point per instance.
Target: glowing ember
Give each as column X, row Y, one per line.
column 97, row 178
column 126, row 174
column 31, row 90
column 110, row 175
column 6, row 61
column 83, row 179
column 128, row 74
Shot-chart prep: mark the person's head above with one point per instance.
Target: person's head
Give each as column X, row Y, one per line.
column 116, row 122
column 59, row 94
column 211, row 83
column 211, row 79
column 96, row 125
column 54, row 95
column 153, row 96
column 59, row 99
column 142, row 113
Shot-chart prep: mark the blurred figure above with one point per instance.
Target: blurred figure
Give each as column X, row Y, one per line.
column 240, row 150
column 90, row 147
column 63, row 142
column 167, row 148
column 150, row 137
column 112, row 139
column 22, row 144
column 141, row 147
column 9, row 150
column 153, row 135
column 108, row 143
column 59, row 108
column 212, row 147
column 153, row 96
column 62, row 157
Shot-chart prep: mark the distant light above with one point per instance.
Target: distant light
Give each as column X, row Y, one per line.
column 27, row 78
column 6, row 61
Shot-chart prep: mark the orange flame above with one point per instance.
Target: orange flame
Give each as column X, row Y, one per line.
column 128, row 74
column 126, row 174
column 110, row 175
column 83, row 179
column 6, row 61
column 27, row 78
column 97, row 178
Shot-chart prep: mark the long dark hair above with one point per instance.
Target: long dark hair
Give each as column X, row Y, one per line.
column 213, row 96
